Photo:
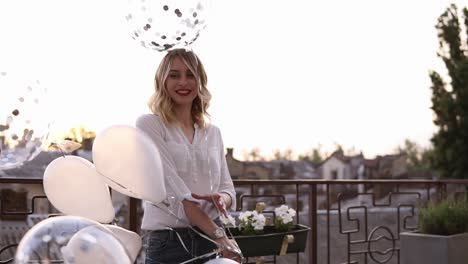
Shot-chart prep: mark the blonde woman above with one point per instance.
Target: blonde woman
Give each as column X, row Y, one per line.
column 197, row 179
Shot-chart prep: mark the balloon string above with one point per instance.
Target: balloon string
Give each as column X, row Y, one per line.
column 236, row 250
column 178, row 236
column 120, row 185
column 167, row 210
column 55, row 145
column 199, row 257
column 220, row 212
column 61, row 151
column 184, row 222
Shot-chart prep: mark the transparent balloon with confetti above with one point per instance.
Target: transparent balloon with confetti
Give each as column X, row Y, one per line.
column 95, row 244
column 24, row 120
column 43, row 243
column 70, row 240
column 162, row 25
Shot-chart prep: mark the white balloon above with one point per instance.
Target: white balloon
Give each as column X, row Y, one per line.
column 95, row 244
column 74, row 187
column 131, row 240
column 222, row 261
column 130, row 163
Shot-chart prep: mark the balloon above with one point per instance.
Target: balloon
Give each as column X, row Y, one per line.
column 43, row 243
column 163, row 25
column 24, row 122
column 130, row 163
column 73, row 186
column 95, row 244
column 131, row 240
column 222, row 261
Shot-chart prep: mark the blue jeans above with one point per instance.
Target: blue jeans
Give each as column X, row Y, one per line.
column 164, row 247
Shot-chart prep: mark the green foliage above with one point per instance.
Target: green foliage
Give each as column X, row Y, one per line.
column 254, row 155
column 251, row 223
column 284, row 220
column 418, row 158
column 79, row 133
column 450, row 99
column 287, row 154
column 315, row 155
column 446, row 218
column 282, row 227
column 339, row 148
column 248, row 229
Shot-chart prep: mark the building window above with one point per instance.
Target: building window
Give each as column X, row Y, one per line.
column 334, row 174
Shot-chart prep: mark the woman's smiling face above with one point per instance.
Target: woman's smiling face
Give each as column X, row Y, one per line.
column 181, row 83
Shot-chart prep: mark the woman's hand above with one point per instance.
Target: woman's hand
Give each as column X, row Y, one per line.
column 229, row 249
column 199, row 218
column 218, row 199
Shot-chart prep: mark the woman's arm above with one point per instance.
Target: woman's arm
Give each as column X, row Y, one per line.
column 200, row 219
column 221, row 201
column 224, row 197
column 226, row 187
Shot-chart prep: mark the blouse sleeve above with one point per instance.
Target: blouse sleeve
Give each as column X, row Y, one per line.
column 226, row 184
column 175, row 186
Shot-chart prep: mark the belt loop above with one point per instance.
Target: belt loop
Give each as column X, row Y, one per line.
column 171, row 234
column 190, row 233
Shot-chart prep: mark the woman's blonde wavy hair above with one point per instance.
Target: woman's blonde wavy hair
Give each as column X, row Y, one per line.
column 161, row 103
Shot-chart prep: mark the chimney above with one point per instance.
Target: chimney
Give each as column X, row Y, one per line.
column 230, row 151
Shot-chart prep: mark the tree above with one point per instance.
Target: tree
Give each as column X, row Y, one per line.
column 79, row 133
column 287, row 154
column 253, row 155
column 315, row 155
column 349, row 152
column 450, row 99
column 417, row 156
column 339, row 148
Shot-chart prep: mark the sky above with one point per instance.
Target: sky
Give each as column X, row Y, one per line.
column 283, row 74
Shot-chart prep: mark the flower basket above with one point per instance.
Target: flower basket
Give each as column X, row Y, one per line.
column 272, row 242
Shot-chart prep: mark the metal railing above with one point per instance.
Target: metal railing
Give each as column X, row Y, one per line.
column 342, row 210
column 351, row 221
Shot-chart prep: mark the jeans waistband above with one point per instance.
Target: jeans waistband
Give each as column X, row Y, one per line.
column 182, row 231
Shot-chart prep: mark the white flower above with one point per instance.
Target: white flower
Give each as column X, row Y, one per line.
column 292, row 212
column 287, row 219
column 245, row 216
column 228, row 221
column 258, row 221
column 284, row 214
column 258, row 225
column 252, row 220
column 259, row 218
column 283, row 209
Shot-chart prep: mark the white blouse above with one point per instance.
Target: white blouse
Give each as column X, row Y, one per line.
column 199, row 167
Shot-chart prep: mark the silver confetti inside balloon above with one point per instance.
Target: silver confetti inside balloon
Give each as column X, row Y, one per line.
column 24, row 120
column 163, row 25
column 44, row 240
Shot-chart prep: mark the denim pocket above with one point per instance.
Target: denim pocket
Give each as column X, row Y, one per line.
column 157, row 243
column 161, row 248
